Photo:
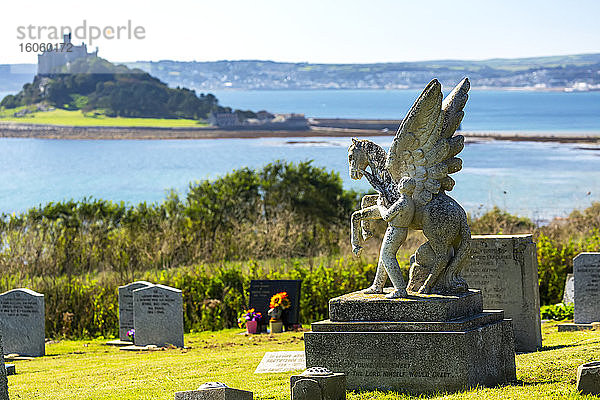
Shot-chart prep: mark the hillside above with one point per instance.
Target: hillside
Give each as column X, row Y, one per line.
column 550, row 73
column 96, row 85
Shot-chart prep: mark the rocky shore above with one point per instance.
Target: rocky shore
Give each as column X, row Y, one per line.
column 317, row 128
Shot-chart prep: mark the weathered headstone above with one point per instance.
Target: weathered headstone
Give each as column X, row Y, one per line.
column 22, row 322
column 281, row 361
column 569, row 294
column 126, row 307
column 586, row 269
column 158, row 316
column 3, row 378
column 588, row 378
column 261, row 292
column 505, row 269
column 318, row 383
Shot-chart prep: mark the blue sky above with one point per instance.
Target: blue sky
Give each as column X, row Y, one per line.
column 317, row 31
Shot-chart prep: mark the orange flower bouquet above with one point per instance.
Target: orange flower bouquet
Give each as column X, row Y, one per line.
column 279, row 303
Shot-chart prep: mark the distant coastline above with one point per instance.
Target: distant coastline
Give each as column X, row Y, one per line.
column 319, row 128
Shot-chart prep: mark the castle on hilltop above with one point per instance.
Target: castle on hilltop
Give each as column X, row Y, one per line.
column 50, row 62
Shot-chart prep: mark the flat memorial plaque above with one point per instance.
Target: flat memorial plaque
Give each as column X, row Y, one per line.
column 261, row 292
column 281, row 361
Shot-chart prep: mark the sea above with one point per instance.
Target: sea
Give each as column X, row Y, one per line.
column 540, row 180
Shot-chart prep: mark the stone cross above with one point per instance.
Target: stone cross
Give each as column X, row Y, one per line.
column 22, row 322
column 126, row 307
column 158, row 316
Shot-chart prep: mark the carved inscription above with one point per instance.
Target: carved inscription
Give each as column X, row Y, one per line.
column 155, row 303
column 19, row 307
column 281, row 361
column 494, row 271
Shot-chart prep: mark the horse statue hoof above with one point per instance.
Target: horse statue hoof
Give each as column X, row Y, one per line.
column 397, row 294
column 357, row 250
column 373, row 290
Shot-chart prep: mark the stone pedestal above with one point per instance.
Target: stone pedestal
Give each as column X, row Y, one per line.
column 422, row 344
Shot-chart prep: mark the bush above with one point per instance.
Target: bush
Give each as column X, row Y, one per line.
column 213, row 294
column 557, row 312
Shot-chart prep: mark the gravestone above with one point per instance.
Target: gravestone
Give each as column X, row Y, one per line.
column 318, row 383
column 505, row 269
column 126, row 307
column 586, row 269
column 588, row 378
column 3, row 373
column 569, row 294
column 22, row 322
column 281, row 361
column 158, row 316
column 261, row 292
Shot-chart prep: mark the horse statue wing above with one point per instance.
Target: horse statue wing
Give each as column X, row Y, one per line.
column 424, row 147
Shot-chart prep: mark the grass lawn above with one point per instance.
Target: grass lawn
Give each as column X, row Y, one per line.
column 77, row 118
column 88, row 369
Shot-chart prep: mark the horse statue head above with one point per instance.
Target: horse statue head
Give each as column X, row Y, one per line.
column 358, row 159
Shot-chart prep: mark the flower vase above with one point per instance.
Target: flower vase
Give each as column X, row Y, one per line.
column 276, row 326
column 252, row 326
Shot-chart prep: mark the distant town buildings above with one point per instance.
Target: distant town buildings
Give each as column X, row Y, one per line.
column 51, row 62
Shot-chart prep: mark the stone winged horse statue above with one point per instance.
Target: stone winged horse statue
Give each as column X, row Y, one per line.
column 422, row 154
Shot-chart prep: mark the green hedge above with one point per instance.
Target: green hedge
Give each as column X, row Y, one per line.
column 213, row 295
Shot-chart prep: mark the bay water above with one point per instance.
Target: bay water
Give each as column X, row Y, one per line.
column 539, row 180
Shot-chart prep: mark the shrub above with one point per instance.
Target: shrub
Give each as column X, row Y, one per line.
column 557, row 312
column 213, row 294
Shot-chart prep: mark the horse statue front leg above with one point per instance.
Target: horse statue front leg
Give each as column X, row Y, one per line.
column 358, row 218
column 366, row 226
